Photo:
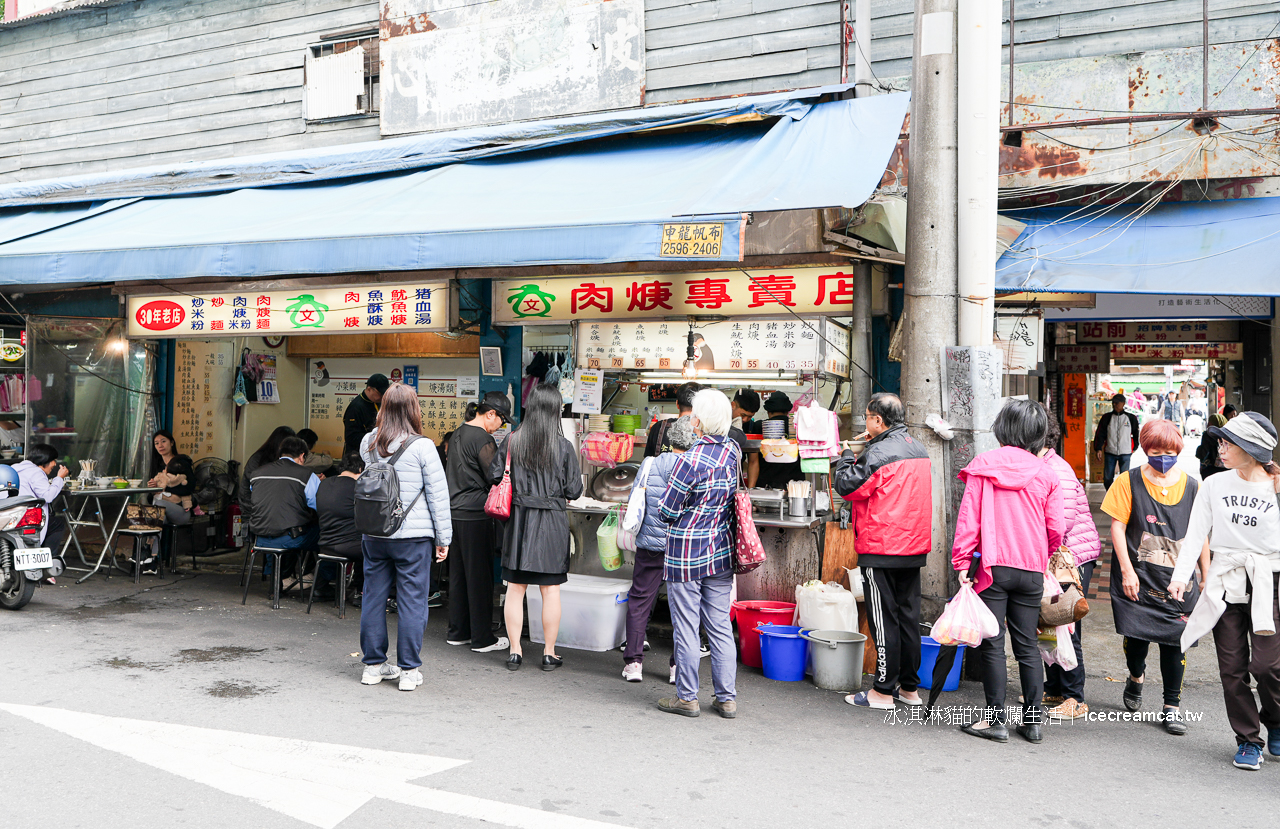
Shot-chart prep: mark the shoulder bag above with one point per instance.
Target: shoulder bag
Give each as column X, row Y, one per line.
column 498, row 504
column 748, row 551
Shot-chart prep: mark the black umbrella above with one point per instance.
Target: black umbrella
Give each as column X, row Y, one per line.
column 946, row 655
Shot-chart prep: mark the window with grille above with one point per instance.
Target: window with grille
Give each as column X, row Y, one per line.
column 342, row 77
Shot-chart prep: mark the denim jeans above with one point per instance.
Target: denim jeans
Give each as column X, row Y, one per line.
column 705, row 599
column 1114, row 464
column 406, row 562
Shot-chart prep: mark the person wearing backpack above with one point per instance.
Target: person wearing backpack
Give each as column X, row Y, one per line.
column 402, row 511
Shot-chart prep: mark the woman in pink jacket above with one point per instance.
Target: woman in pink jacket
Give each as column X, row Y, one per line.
column 1012, row 514
column 1064, row 690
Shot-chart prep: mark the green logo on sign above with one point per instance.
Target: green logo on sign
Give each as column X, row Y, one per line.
column 306, row 312
column 530, row 301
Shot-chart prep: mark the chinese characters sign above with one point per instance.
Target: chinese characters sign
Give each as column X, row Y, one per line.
column 731, row 345
column 1143, row 352
column 204, row 374
column 804, row 291
column 1021, row 341
column 318, row 310
column 1088, row 359
column 1165, row 306
column 692, row 240
column 1158, row 332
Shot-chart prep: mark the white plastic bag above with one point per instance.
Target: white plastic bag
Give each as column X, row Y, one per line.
column 966, row 620
column 825, row 607
column 1056, row 648
column 634, row 516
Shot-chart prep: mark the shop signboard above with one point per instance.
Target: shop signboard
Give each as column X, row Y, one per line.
column 805, row 291
column 1186, row 331
column 350, row 309
column 203, row 378
column 1090, row 359
column 1164, row 306
column 1157, row 352
column 738, row 344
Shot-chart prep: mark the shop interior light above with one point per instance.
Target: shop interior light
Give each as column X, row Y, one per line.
column 690, row 371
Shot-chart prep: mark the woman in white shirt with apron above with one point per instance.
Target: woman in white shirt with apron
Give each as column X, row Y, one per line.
column 1238, row 512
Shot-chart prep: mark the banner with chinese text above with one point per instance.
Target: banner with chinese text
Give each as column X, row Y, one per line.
column 350, row 309
column 1144, row 352
column 730, row 345
column 805, row 291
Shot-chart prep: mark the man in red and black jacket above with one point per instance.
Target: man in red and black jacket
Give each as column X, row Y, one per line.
column 890, row 487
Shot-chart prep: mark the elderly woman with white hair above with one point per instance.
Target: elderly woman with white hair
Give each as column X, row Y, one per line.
column 698, row 569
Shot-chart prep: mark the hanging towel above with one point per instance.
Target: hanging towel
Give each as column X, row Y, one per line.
column 817, row 431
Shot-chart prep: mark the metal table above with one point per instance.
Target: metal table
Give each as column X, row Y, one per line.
column 74, row 506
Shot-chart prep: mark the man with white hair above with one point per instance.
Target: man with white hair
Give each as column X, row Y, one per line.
column 699, row 561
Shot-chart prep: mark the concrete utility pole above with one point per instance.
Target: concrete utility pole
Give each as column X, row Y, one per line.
column 860, row 335
column 930, row 287
column 978, row 162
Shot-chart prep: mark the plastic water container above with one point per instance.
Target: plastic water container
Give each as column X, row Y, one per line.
column 928, row 658
column 749, row 614
column 593, row 613
column 783, row 652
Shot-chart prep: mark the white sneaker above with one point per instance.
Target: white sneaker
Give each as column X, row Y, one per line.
column 501, row 645
column 373, row 674
column 633, row 672
column 672, row 679
column 410, row 679
column 457, row 641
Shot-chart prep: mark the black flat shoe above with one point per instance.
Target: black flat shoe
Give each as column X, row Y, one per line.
column 1132, row 694
column 513, row 662
column 550, row 663
column 996, row 732
column 1030, row 732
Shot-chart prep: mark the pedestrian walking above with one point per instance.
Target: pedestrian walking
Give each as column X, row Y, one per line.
column 1115, row 439
column 1063, row 689
column 698, row 505
column 890, row 488
column 1150, row 508
column 471, row 451
column 1237, row 513
column 1207, row 452
column 404, row 557
column 1012, row 514
column 545, row 476
column 651, row 548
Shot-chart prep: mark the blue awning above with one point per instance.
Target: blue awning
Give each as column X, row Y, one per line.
column 588, row 202
column 1200, row 248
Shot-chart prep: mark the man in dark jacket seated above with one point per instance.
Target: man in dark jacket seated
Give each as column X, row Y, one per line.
column 283, row 495
column 336, row 506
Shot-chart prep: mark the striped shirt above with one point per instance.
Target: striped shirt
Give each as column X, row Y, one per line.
column 699, row 505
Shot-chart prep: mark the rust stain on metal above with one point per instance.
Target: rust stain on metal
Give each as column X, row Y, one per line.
column 410, row 25
column 1050, row 162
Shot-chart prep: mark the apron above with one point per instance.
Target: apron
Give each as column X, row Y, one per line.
column 1154, row 536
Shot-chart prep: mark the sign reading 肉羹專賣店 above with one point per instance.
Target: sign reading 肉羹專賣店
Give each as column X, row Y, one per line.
column 353, row 309
column 804, row 291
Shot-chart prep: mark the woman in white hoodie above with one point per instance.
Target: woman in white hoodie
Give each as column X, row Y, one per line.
column 1238, row 512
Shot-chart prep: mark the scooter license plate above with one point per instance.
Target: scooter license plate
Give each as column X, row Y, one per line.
column 34, row 558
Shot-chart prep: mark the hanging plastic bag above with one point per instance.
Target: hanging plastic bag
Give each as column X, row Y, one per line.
column 634, row 516
column 607, row 541
column 966, row 620
column 1056, row 647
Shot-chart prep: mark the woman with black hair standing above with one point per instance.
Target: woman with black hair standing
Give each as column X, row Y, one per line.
column 545, row 476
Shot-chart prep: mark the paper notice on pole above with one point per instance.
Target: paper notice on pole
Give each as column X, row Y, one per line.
column 588, row 391
column 936, row 33
column 469, row 387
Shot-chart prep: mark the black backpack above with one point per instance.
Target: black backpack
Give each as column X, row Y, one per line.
column 378, row 510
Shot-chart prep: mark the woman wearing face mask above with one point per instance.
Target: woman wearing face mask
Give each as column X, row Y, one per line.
column 1150, row 509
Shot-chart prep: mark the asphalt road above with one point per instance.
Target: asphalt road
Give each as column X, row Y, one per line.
column 529, row 748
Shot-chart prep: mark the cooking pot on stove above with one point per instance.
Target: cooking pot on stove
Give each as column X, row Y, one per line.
column 614, row 485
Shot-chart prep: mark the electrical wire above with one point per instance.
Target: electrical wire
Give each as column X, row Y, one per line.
column 1247, row 60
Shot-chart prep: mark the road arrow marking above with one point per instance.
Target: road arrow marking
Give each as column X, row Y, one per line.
column 318, row 783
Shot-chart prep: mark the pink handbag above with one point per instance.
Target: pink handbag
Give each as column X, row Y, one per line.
column 498, row 504
column 748, row 552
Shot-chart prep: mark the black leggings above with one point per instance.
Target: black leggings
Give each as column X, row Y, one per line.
column 1173, row 664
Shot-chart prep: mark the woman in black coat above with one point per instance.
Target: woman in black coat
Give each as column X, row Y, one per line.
column 545, row 476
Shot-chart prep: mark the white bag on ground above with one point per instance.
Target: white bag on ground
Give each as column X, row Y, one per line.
column 825, row 607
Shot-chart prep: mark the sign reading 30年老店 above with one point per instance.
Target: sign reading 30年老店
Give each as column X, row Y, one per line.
column 347, row 309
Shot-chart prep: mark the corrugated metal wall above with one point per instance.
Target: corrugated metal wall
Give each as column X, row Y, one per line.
column 165, row 80
column 729, row 47
column 1057, row 29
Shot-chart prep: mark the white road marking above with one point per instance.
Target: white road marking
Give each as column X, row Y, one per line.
column 321, row 784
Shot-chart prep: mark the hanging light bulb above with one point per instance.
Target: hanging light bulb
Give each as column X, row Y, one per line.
column 690, row 371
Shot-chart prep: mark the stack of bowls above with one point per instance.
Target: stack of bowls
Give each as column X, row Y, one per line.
column 626, row 424
column 598, row 423
column 773, row 429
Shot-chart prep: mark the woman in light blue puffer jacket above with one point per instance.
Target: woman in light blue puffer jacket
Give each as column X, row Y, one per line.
column 651, row 547
column 405, row 556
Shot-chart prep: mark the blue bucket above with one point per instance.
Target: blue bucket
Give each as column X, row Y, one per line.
column 928, row 658
column 782, row 652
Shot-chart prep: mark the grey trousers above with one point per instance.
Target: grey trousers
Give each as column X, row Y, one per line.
column 705, row 600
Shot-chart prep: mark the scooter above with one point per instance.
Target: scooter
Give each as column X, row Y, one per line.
column 23, row 562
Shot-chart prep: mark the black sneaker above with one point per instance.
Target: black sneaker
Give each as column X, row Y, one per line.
column 1174, row 722
column 392, row 607
column 436, row 599
column 1132, row 694
column 355, row 599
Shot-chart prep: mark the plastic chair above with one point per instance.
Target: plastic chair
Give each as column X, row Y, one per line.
column 141, row 534
column 341, row 599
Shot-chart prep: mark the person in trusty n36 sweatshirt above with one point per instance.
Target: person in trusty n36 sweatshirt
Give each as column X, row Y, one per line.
column 890, row 488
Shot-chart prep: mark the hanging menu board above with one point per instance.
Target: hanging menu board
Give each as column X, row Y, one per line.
column 332, row 384
column 204, row 376
column 784, row 345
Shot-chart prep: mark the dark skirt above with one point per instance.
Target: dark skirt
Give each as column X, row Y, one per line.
column 530, row 577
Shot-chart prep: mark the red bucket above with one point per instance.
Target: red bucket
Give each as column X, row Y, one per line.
column 748, row 615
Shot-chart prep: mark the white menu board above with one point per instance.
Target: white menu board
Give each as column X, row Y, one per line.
column 739, row 344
